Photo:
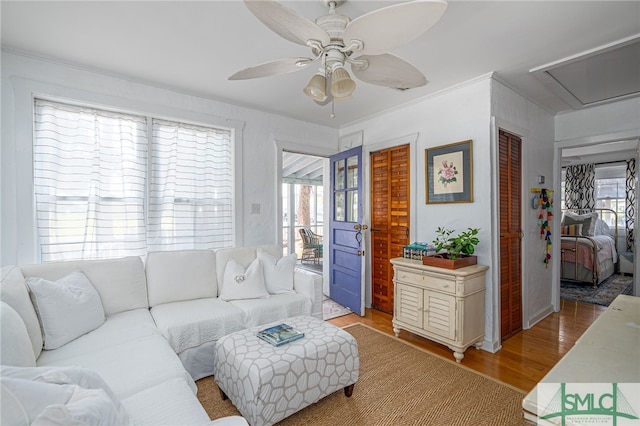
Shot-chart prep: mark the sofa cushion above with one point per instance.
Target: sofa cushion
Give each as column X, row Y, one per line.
column 103, row 403
column 121, row 283
column 16, row 347
column 173, row 276
column 169, row 403
column 138, row 359
column 118, row 329
column 240, row 283
column 276, row 308
column 67, row 308
column 190, row 323
column 14, row 292
column 278, row 271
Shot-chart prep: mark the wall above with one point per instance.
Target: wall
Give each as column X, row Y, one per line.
column 608, row 119
column 474, row 111
column 454, row 115
column 535, row 126
column 256, row 134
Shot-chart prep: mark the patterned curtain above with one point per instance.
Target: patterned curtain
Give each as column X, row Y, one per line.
column 630, row 210
column 579, row 186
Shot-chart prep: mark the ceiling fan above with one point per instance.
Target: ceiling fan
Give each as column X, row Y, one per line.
column 336, row 40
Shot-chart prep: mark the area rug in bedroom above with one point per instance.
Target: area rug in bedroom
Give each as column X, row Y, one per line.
column 399, row 384
column 602, row 295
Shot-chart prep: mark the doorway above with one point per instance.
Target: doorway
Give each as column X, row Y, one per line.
column 510, row 184
column 302, row 206
column 390, row 195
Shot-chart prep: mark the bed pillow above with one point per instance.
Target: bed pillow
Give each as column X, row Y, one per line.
column 572, row 230
column 278, row 273
column 587, row 220
column 602, row 228
column 67, row 308
column 238, row 283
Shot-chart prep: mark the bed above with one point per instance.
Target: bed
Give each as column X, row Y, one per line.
column 588, row 249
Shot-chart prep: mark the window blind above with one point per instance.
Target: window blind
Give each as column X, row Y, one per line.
column 89, row 182
column 191, row 187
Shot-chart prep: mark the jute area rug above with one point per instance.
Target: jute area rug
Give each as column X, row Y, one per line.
column 399, row 385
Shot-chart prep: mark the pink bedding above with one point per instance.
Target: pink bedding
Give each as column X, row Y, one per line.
column 606, row 250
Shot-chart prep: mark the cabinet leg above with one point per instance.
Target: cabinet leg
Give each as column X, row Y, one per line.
column 478, row 345
column 396, row 331
column 458, row 356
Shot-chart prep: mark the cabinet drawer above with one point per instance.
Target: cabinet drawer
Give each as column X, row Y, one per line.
column 429, row 282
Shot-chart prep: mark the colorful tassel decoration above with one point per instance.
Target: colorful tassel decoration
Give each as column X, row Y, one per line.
column 544, row 221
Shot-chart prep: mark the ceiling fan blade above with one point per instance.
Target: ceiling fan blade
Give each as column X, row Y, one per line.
column 287, row 23
column 385, row 29
column 390, row 71
column 279, row 66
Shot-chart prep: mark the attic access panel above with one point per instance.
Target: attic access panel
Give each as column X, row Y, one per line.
column 605, row 74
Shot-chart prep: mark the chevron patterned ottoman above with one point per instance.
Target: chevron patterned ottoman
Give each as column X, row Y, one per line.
column 268, row 383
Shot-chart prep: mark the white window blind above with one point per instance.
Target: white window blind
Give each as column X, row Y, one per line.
column 100, row 194
column 89, row 182
column 191, row 188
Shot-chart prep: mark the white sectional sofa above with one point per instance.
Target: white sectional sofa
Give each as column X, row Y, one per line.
column 160, row 320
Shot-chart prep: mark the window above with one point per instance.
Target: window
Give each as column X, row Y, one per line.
column 97, row 197
column 191, row 197
column 611, row 193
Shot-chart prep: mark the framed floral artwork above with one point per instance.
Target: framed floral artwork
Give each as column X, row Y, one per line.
column 449, row 173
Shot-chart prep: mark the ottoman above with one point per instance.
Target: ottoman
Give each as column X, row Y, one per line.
column 267, row 383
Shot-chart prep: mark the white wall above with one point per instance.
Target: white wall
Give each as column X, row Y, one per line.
column 474, row 111
column 515, row 114
column 608, row 119
column 452, row 116
column 23, row 77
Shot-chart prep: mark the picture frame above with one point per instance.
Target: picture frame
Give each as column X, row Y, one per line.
column 449, row 173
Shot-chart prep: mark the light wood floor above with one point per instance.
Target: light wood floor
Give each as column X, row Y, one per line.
column 524, row 358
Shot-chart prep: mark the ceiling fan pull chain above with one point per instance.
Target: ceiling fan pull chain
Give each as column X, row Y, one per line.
column 333, row 108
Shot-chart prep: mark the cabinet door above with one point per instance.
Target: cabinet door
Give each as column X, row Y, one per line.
column 408, row 304
column 440, row 314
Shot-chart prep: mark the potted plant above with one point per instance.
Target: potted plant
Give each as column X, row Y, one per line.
column 459, row 249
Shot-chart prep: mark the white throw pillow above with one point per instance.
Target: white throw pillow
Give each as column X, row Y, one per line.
column 16, row 346
column 67, row 308
column 238, row 283
column 14, row 292
column 79, row 404
column 39, row 403
column 278, row 273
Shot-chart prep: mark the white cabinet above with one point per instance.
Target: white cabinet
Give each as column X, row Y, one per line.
column 443, row 305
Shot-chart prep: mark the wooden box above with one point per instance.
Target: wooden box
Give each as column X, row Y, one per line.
column 443, row 261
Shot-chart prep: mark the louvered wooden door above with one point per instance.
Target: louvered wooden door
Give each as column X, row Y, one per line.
column 510, row 234
column 389, row 219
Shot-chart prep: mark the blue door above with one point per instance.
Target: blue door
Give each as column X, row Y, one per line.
column 346, row 243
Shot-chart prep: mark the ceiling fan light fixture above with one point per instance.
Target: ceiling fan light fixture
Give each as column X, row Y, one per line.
column 342, row 86
column 315, row 88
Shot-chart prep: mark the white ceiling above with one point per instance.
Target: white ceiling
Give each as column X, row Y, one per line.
column 194, row 47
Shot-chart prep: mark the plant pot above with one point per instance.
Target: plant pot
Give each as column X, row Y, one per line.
column 443, row 261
